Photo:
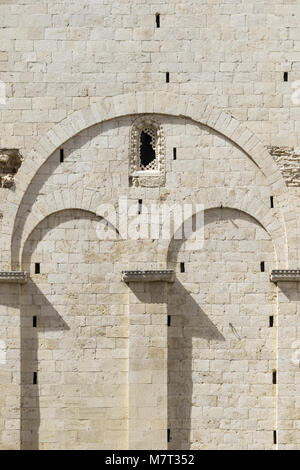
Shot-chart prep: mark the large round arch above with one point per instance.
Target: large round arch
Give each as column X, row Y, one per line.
column 221, row 349
column 109, row 108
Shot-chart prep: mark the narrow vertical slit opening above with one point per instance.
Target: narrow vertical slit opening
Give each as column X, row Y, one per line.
column 285, row 76
column 271, row 321
column 274, row 437
column 272, row 202
column 169, row 435
column 174, row 153
column 182, row 268
column 169, row 320
column 157, row 19
column 140, row 206
column 262, row 266
column 37, row 268
column 167, row 77
column 34, row 378
column 62, row 155
column 34, row 321
column 274, row 377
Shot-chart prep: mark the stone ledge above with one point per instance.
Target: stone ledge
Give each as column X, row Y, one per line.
column 285, row 275
column 17, row 277
column 148, row 276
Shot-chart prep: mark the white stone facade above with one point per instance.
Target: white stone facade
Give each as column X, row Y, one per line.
column 207, row 357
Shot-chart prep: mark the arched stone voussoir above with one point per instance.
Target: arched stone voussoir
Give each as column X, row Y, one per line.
column 44, row 207
column 248, row 202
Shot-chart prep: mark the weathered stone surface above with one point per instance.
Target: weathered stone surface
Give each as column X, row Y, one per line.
column 288, row 160
column 10, row 162
column 13, row 276
column 119, row 364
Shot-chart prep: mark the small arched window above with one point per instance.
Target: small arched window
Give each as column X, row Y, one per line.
column 147, row 149
column 147, row 159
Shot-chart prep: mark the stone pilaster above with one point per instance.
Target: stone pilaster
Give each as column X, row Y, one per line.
column 148, row 365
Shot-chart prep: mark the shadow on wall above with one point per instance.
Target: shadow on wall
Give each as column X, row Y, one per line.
column 189, row 321
column 34, row 303
column 52, row 321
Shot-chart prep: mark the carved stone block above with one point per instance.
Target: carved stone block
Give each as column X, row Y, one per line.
column 10, row 162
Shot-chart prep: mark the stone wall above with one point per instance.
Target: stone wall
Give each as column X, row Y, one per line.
column 79, row 347
column 87, row 394
column 221, row 348
column 84, row 357
column 59, row 56
column 288, row 160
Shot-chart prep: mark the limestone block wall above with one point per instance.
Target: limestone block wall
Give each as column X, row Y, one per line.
column 75, row 75
column 78, row 296
column 96, row 171
column 10, row 366
column 288, row 365
column 148, row 378
column 59, row 56
column 221, row 348
column 79, row 345
column 221, row 351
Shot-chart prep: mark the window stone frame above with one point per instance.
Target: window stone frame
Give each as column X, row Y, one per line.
column 137, row 175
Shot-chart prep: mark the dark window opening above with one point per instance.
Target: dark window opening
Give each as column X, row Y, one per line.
column 274, row 377
column 34, row 321
column 169, row 435
column 274, row 437
column 174, row 153
column 62, row 156
column 35, row 378
column 140, row 206
column 285, row 76
column 169, row 320
column 182, row 268
column 262, row 266
column 147, row 152
column 37, row 268
column 167, row 77
column 271, row 321
column 157, row 18
column 272, row 202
